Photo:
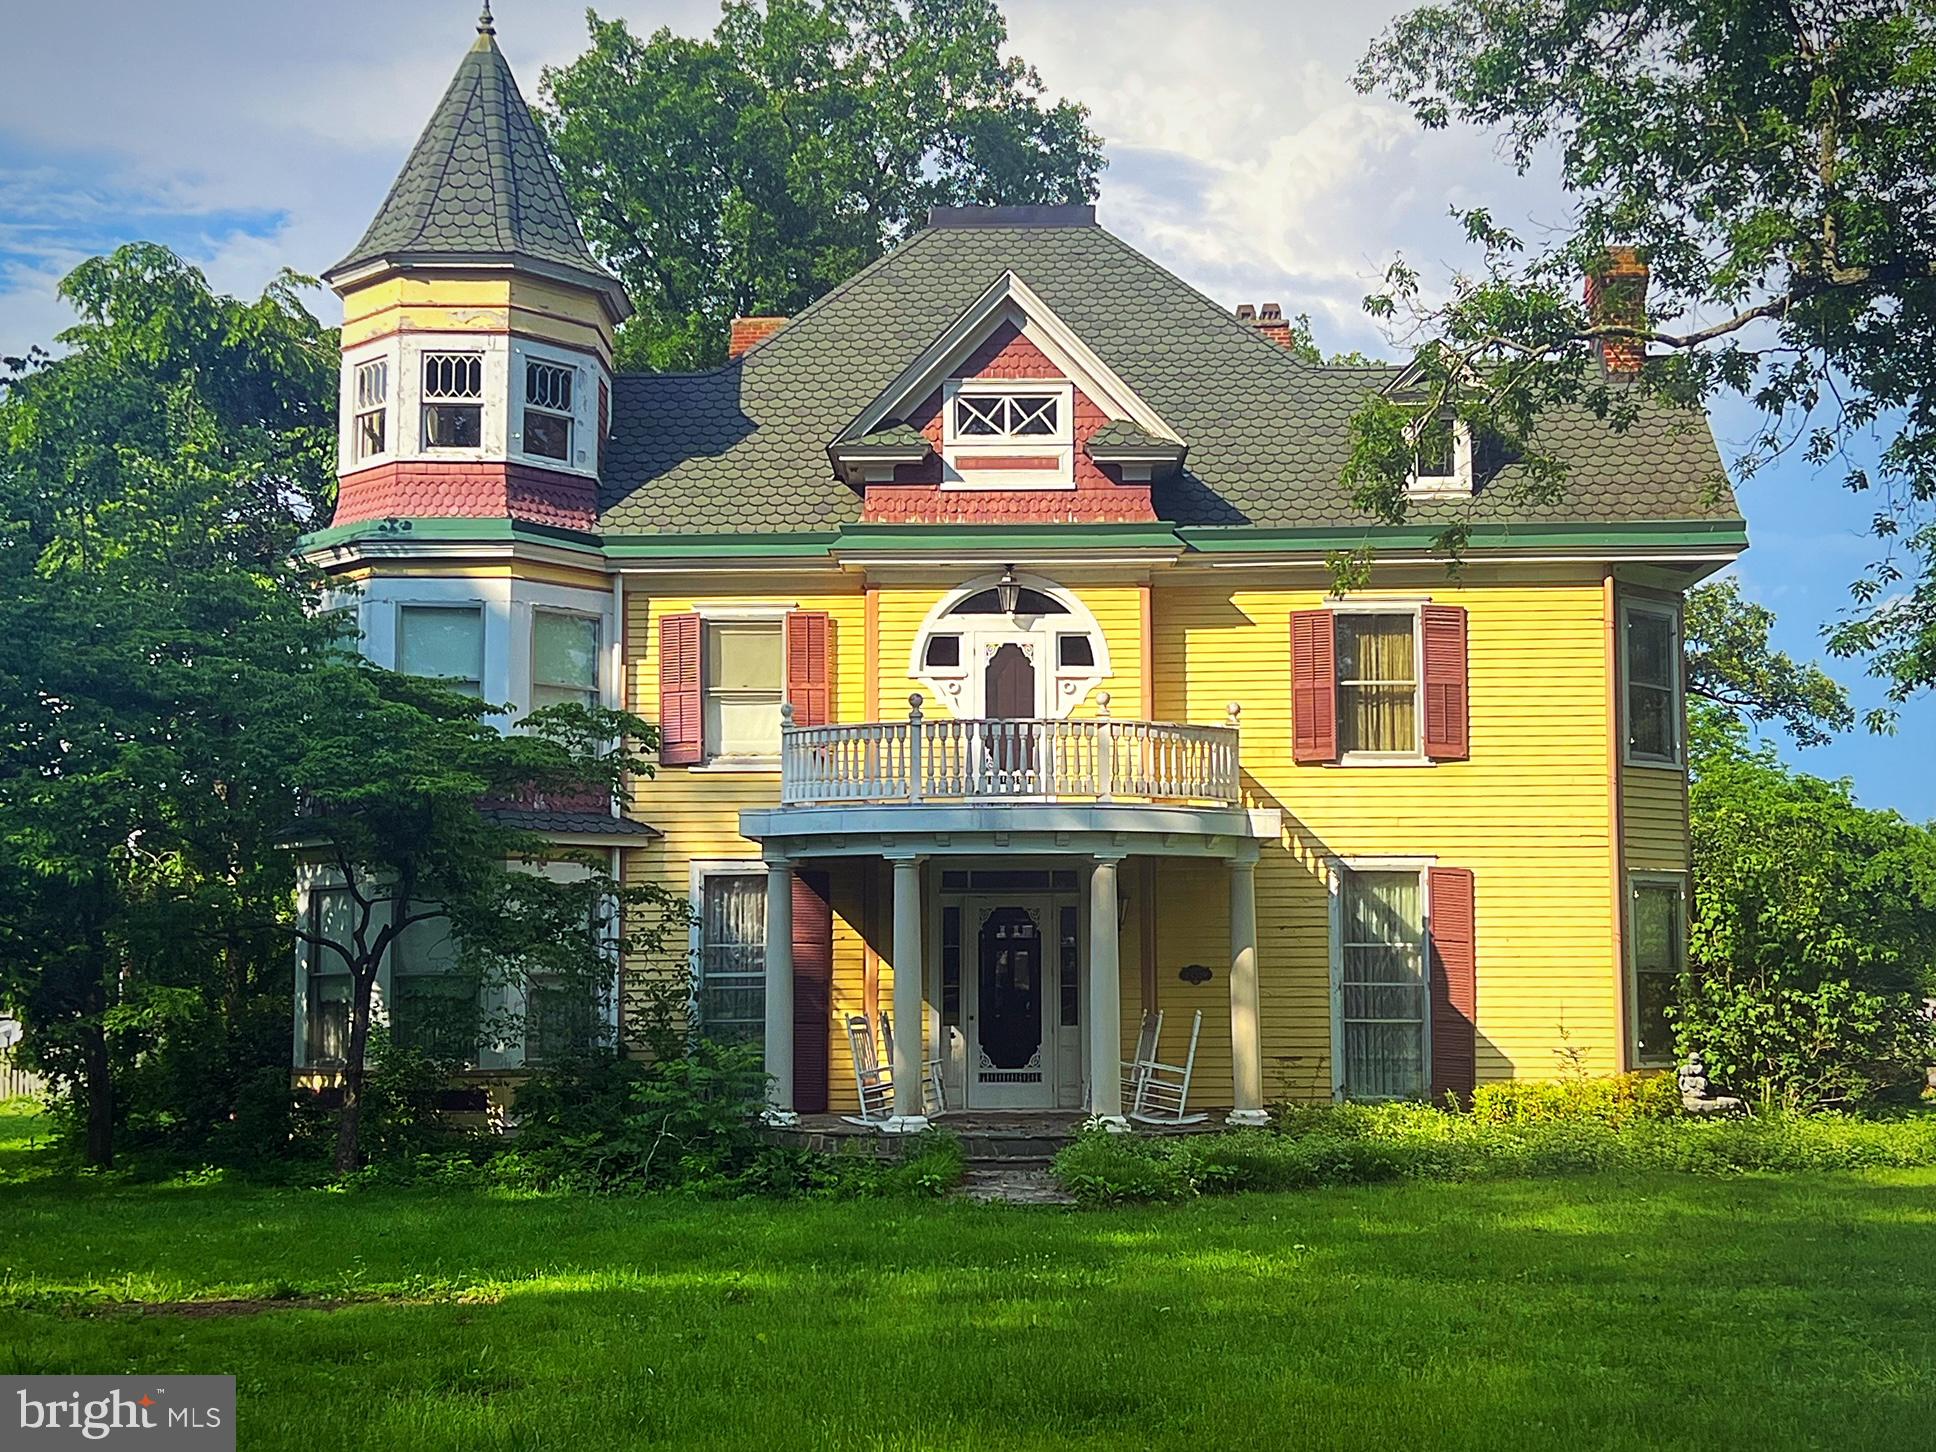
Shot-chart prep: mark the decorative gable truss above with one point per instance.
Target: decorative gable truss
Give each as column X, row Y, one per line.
column 1008, row 398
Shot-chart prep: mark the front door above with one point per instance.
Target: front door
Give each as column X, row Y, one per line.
column 1010, row 1011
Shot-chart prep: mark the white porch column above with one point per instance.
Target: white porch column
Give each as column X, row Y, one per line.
column 779, row 991
column 1246, row 1034
column 909, row 1112
column 1105, row 1007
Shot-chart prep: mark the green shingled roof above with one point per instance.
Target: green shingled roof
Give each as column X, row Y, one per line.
column 479, row 185
column 743, row 447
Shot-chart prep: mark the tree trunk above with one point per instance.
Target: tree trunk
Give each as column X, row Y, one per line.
column 349, row 1122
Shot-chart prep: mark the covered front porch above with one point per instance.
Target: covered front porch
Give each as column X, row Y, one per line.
column 1009, row 910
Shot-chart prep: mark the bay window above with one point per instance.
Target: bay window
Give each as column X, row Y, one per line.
column 548, row 389
column 443, row 642
column 453, row 400
column 433, row 1003
column 372, row 408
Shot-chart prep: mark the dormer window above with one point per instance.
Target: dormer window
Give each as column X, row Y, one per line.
column 453, row 400
column 1000, row 433
column 1441, row 456
column 547, row 409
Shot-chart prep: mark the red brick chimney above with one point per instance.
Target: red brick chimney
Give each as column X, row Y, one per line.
column 748, row 331
column 1616, row 292
column 1268, row 320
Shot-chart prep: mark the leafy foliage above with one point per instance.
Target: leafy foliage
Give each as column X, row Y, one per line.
column 755, row 170
column 1770, row 163
column 1731, row 664
column 1813, row 943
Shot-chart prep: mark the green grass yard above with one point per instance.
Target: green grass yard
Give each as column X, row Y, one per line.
column 1579, row 1313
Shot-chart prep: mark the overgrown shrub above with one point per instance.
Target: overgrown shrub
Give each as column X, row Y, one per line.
column 1533, row 1135
column 1614, row 1100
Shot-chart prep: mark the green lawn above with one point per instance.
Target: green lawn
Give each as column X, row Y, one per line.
column 1581, row 1313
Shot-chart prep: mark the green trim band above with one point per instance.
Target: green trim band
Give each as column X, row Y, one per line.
column 1666, row 533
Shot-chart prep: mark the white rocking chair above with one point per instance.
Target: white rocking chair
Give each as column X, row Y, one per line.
column 1163, row 1092
column 872, row 1078
column 934, row 1095
column 1147, row 1038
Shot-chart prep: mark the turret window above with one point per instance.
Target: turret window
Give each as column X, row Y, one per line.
column 453, row 394
column 372, row 407
column 547, row 409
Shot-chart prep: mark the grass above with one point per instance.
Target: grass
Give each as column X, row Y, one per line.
column 1588, row 1312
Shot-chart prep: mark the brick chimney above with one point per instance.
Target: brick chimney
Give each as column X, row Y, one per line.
column 1616, row 292
column 748, row 331
column 1268, row 320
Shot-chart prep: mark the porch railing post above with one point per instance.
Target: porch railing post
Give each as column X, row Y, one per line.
column 914, row 765
column 1105, row 750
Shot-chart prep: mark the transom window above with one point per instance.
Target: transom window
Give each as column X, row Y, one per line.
column 547, row 413
column 1007, row 415
column 372, row 398
column 731, row 966
column 453, row 394
column 564, row 659
column 745, row 680
column 1653, row 675
column 1382, row 1001
column 1377, row 683
column 443, row 643
column 1658, row 931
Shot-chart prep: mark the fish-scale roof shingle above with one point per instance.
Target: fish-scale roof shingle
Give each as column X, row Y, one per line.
column 743, row 447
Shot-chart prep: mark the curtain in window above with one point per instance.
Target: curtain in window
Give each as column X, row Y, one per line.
column 1382, row 986
column 743, row 677
column 441, row 643
column 732, row 956
column 1377, row 688
column 564, row 659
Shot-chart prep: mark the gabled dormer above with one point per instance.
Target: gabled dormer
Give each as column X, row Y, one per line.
column 478, row 327
column 1007, row 417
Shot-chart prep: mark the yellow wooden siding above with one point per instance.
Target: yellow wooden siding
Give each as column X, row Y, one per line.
column 1528, row 814
column 419, row 302
column 1653, row 808
column 589, row 578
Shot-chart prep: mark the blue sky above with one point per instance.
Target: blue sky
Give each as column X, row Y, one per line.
column 253, row 136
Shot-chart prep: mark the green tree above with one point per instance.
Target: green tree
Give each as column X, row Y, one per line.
column 753, row 171
column 1771, row 163
column 1812, row 952
column 1732, row 665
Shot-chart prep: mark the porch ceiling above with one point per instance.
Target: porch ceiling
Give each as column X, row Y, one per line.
column 964, row 829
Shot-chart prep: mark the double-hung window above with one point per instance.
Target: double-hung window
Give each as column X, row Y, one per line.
column 433, row 1003
column 745, row 680
column 1657, row 949
column 1383, row 1003
column 731, row 957
column 453, row 400
column 1377, row 684
column 564, row 659
column 1651, row 666
column 443, row 643
column 327, row 987
column 371, row 414
column 548, row 391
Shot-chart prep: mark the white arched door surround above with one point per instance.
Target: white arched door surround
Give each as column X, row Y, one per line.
column 1049, row 627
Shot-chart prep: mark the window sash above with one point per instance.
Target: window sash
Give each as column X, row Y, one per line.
column 453, row 376
column 731, row 967
column 370, row 431
column 442, row 643
column 1383, row 998
column 1656, row 952
column 564, row 659
column 745, row 682
column 1377, row 683
column 1653, row 685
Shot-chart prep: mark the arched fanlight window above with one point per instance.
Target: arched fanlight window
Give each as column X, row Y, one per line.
column 1027, row 602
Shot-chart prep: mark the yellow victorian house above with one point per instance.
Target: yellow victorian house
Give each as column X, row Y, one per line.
column 984, row 611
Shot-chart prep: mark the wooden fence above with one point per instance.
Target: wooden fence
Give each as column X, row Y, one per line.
column 16, row 1082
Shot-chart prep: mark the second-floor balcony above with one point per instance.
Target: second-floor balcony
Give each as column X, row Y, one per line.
column 951, row 759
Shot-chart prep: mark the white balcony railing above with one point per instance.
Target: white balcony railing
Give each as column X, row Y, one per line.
column 952, row 760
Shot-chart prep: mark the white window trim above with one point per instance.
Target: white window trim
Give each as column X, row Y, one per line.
column 759, row 614
column 1060, row 445
column 1064, row 689
column 702, row 868
column 1416, row 609
column 1676, row 681
column 588, row 375
column 1456, row 484
column 1677, row 881
column 1338, row 868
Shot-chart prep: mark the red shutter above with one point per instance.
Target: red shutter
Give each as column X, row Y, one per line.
column 813, row 989
column 1314, row 687
column 1454, row 982
column 1446, row 725
column 679, row 713
column 809, row 667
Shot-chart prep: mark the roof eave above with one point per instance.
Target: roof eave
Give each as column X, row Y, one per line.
column 355, row 271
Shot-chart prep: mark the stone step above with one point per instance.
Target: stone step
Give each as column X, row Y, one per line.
column 1012, row 1185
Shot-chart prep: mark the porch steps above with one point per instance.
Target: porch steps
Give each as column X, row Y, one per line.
column 1015, row 1182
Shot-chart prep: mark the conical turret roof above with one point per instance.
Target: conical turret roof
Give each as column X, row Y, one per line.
column 479, row 186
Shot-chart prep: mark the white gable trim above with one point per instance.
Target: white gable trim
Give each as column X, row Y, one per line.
column 1010, row 300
